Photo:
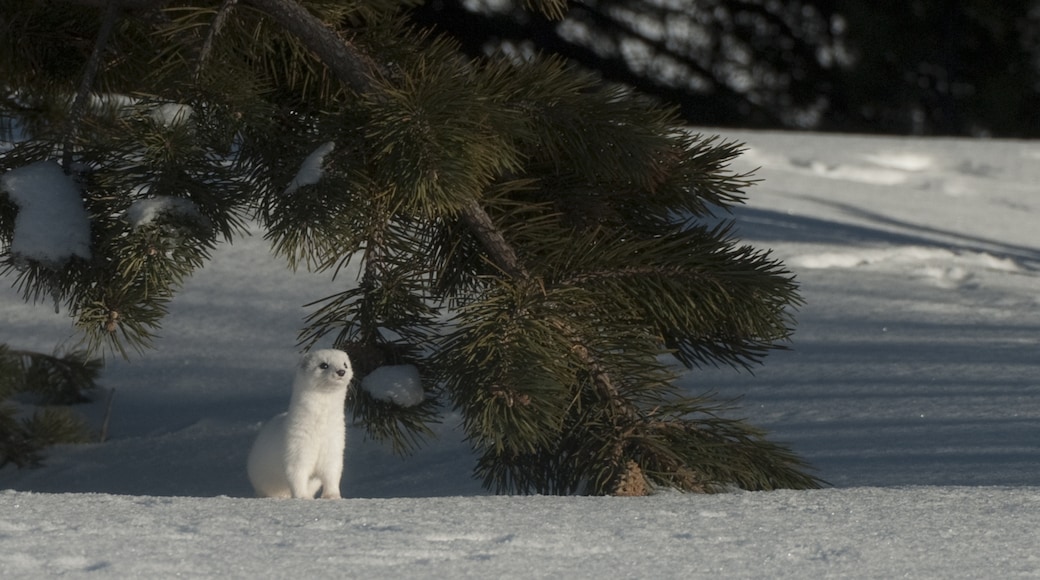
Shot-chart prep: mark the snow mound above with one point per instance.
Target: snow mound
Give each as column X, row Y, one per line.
column 902, row 160
column 905, row 255
column 863, row 174
column 944, row 268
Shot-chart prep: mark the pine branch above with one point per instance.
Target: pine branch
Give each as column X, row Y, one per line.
column 55, row 381
column 600, row 376
column 343, row 58
column 553, row 9
column 485, row 230
column 405, row 428
column 109, row 19
column 207, row 45
column 357, row 69
column 551, row 214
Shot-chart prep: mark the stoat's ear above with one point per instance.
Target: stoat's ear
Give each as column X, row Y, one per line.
column 309, row 362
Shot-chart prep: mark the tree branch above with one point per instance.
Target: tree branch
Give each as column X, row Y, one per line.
column 494, row 242
column 211, row 35
column 356, row 69
column 349, row 64
column 79, row 103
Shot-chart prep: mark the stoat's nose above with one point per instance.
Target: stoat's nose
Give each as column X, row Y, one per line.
column 341, row 372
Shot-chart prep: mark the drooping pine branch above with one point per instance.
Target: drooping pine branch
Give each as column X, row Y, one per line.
column 603, row 446
column 357, row 70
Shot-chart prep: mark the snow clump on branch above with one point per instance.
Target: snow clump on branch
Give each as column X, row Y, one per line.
column 397, row 384
column 311, row 170
column 52, row 225
column 145, row 211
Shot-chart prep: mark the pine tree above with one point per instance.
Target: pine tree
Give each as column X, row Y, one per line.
column 544, row 246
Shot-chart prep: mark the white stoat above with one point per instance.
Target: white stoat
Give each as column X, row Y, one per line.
column 300, row 451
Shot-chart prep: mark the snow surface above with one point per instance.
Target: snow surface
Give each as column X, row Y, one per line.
column 398, row 384
column 51, row 225
column 912, row 385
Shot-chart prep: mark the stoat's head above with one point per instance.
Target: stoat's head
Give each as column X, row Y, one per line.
column 327, row 369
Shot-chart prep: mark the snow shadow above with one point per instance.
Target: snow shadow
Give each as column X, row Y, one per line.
column 889, row 382
column 770, row 226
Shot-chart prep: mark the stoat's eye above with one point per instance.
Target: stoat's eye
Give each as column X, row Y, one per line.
column 323, row 366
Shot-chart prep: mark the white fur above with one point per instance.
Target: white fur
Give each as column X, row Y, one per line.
column 301, row 451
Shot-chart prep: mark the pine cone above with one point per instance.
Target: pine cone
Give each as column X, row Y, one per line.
column 631, row 482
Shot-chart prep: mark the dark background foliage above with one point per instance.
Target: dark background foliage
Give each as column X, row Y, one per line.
column 918, row 67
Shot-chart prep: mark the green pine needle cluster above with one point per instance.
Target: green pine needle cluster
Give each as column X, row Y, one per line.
column 547, row 248
column 50, row 384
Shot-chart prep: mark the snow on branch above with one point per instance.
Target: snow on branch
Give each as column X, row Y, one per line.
column 311, row 170
column 397, row 384
column 145, row 211
column 52, row 225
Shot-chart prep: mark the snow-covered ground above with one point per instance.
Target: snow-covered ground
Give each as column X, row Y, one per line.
column 913, row 385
